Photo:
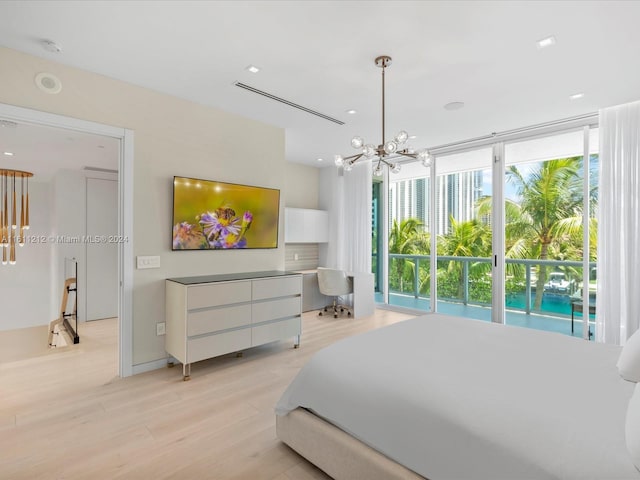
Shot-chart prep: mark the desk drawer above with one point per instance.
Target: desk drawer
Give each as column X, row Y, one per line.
column 214, row 294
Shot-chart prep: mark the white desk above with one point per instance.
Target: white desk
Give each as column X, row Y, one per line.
column 361, row 301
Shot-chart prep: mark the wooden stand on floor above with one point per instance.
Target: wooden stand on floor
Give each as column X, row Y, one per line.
column 63, row 320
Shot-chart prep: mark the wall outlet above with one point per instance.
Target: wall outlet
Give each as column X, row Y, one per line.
column 161, row 328
column 296, row 256
column 148, row 261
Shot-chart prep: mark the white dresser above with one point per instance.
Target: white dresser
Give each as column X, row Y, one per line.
column 213, row 315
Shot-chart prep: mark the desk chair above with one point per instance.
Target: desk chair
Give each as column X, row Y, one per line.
column 334, row 283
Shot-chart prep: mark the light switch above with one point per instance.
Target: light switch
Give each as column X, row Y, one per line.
column 148, row 261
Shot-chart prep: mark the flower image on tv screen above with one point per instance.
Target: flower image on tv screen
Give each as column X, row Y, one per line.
column 209, row 215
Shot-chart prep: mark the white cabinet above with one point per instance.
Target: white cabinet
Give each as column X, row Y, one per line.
column 219, row 314
column 304, row 225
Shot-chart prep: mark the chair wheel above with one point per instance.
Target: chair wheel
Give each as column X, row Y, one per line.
column 341, row 310
column 319, row 314
column 335, row 315
column 348, row 314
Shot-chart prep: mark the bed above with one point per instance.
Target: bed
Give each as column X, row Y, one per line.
column 442, row 397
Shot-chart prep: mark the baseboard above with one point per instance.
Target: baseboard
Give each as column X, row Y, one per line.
column 147, row 367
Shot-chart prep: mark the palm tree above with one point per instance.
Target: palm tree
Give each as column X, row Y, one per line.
column 407, row 237
column 470, row 238
column 549, row 213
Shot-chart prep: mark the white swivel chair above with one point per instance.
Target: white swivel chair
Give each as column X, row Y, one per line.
column 334, row 283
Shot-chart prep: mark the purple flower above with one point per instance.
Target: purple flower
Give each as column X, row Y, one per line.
column 217, row 227
column 185, row 236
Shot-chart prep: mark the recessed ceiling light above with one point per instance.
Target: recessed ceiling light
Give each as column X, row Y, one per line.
column 412, row 137
column 576, row 96
column 352, row 112
column 546, row 42
column 9, row 154
column 48, row 83
column 454, row 106
column 253, row 69
column 319, row 159
column 51, row 46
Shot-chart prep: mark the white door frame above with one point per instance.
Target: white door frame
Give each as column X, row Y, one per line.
column 125, row 213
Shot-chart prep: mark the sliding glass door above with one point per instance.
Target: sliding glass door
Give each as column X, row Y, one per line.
column 504, row 232
column 463, row 228
column 548, row 192
column 409, row 237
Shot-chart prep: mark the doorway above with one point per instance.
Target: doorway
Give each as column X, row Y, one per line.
column 124, row 280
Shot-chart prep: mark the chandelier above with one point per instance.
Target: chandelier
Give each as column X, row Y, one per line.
column 9, row 226
column 387, row 151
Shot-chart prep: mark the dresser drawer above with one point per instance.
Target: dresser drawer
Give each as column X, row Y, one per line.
column 276, row 331
column 277, row 287
column 222, row 318
column 274, row 309
column 213, row 294
column 217, row 344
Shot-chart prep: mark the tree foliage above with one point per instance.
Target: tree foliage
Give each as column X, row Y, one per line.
column 545, row 224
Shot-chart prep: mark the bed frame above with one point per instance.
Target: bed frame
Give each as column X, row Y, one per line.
column 337, row 453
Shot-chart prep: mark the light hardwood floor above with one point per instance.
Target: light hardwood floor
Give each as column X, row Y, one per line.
column 68, row 415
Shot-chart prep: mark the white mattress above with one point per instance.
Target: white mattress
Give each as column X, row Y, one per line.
column 452, row 398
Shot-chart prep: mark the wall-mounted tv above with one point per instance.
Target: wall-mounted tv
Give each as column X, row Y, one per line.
column 210, row 215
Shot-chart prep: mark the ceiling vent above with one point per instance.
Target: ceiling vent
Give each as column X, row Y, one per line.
column 287, row 102
column 8, row 123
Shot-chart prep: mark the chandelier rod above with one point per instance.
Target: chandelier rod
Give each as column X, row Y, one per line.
column 384, row 65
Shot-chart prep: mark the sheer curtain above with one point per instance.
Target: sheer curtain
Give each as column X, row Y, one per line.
column 350, row 211
column 618, row 307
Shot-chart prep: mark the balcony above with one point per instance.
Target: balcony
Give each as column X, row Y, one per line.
column 464, row 289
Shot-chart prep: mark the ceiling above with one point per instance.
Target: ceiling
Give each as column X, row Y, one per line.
column 321, row 55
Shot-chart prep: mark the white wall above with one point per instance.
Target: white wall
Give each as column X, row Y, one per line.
column 67, row 220
column 171, row 137
column 25, row 293
column 328, row 176
column 301, row 186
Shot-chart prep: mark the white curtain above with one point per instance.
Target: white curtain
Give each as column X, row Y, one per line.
column 350, row 213
column 618, row 300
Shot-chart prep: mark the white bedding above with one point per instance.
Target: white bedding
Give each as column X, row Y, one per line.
column 452, row 398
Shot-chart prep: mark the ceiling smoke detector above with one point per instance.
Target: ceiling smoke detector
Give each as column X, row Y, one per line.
column 48, row 83
column 51, row 46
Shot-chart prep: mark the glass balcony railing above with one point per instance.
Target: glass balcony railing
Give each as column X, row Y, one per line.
column 541, row 287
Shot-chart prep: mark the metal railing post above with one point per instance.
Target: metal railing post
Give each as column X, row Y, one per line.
column 465, row 281
column 416, row 277
column 527, row 289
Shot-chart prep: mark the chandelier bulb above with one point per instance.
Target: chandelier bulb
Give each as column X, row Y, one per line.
column 339, row 161
column 348, row 166
column 395, row 168
column 402, row 137
column 378, row 170
column 357, row 142
column 425, row 157
column 369, row 150
column 390, row 147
